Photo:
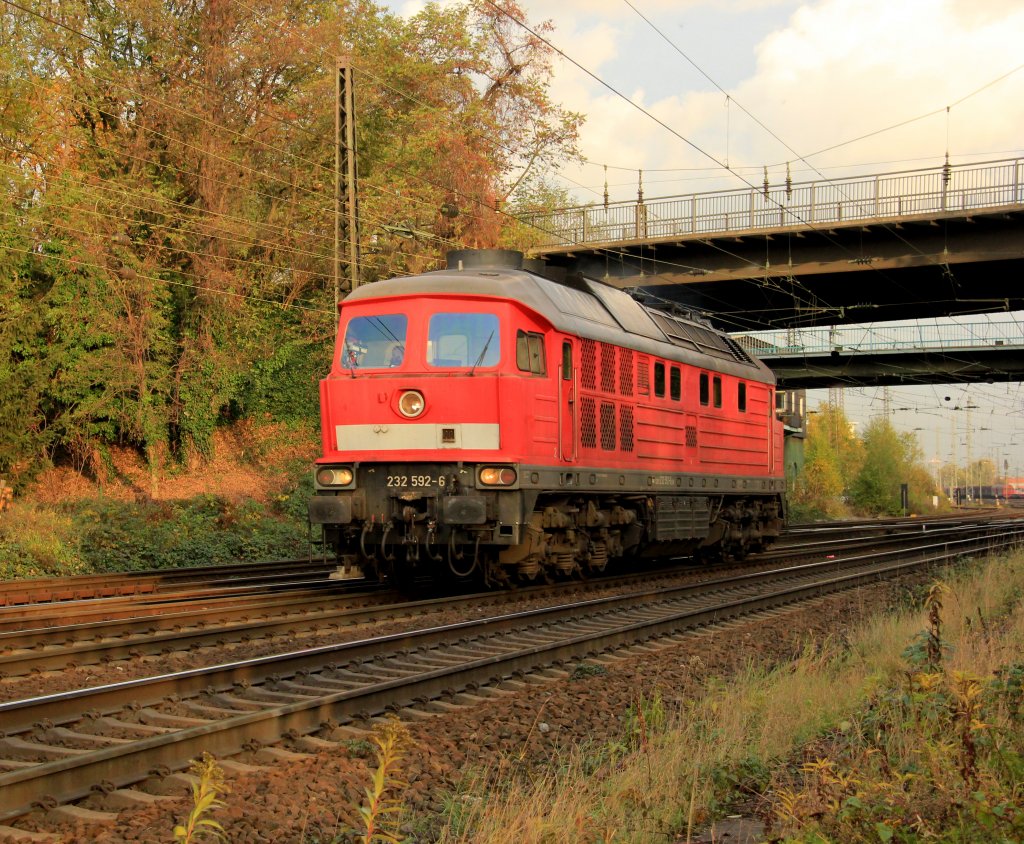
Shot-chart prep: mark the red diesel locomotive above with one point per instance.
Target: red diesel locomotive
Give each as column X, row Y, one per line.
column 489, row 421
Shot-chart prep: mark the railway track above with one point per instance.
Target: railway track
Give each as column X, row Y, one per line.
column 61, row 747
column 267, row 574
column 27, row 645
column 167, row 585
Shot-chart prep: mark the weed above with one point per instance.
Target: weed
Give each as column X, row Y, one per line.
column 379, row 815
column 206, row 790
column 359, row 747
column 888, row 781
column 643, row 718
column 966, row 694
column 933, row 603
column 1008, row 685
column 584, row 670
column 871, row 737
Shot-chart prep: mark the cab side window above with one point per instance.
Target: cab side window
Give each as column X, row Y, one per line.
column 530, row 352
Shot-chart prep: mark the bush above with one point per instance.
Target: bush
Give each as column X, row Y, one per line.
column 103, row 535
column 35, row 542
column 198, row 532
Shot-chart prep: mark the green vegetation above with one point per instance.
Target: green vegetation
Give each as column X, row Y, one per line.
column 845, row 473
column 935, row 754
column 381, row 812
column 167, row 173
column 103, row 534
column 909, row 730
column 206, row 792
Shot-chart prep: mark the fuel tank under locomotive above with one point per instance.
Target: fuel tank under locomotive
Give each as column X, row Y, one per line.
column 397, row 520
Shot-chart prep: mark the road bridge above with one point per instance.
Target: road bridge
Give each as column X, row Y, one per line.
column 884, row 355
column 901, row 245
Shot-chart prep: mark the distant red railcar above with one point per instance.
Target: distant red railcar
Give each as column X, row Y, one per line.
column 487, row 420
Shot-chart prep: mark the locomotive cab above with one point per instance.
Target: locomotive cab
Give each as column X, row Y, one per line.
column 420, row 449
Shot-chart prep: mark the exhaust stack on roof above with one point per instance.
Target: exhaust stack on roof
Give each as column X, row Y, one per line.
column 485, row 259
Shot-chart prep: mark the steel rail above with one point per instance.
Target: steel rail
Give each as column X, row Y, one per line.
column 63, row 590
column 54, row 648
column 157, row 603
column 121, row 584
column 124, row 764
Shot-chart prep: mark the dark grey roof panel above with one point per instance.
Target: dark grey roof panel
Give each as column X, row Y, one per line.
column 581, row 311
column 577, row 303
column 631, row 315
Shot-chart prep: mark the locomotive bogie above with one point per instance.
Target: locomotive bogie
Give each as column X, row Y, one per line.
column 395, row 520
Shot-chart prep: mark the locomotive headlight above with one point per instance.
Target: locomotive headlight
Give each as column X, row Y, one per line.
column 334, row 476
column 497, row 476
column 411, row 403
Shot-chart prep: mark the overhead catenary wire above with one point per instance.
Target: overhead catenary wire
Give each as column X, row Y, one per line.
column 783, row 209
column 73, row 261
column 183, row 225
column 318, row 47
column 799, row 156
column 731, row 99
column 238, row 165
column 250, row 170
column 804, row 158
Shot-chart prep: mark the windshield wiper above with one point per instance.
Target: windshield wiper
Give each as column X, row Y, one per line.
column 483, row 352
column 348, row 359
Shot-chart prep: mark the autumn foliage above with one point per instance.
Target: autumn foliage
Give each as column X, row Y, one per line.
column 858, row 470
column 168, row 221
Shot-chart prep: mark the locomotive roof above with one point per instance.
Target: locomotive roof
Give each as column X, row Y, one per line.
column 586, row 308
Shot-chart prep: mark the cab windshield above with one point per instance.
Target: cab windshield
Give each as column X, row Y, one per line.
column 375, row 342
column 463, row 340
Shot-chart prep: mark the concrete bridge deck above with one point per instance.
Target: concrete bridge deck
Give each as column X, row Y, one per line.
column 879, row 355
column 922, row 243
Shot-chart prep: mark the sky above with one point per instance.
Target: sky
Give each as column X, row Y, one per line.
column 681, row 88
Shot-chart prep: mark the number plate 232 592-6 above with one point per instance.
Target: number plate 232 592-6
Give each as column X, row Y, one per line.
column 414, row 481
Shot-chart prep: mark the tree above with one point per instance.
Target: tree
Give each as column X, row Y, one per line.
column 832, row 458
column 168, row 171
column 532, row 197
column 890, row 460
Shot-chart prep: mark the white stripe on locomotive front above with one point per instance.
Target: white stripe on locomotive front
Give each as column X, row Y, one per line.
column 417, row 435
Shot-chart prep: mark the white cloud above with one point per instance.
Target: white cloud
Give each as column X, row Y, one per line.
column 819, row 73
column 832, row 71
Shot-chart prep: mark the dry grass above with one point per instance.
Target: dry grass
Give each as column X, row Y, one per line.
column 737, row 736
column 937, row 752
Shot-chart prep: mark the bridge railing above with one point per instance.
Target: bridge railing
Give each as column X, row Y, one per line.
column 860, row 339
column 949, row 188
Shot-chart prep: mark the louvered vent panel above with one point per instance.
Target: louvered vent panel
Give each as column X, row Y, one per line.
column 626, row 428
column 643, row 375
column 588, row 422
column 607, row 368
column 625, row 372
column 607, row 426
column 589, row 352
